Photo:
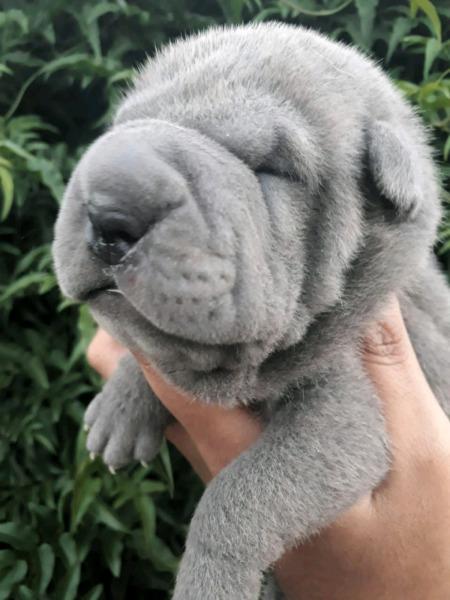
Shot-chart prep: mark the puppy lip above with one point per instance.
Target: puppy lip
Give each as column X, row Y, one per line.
column 92, row 294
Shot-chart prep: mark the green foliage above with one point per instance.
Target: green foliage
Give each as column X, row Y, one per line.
column 68, row 529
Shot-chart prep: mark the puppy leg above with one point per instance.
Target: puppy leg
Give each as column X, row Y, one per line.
column 324, row 449
column 125, row 420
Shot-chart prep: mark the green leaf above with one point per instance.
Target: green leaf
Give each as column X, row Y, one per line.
column 146, row 509
column 22, row 284
column 49, row 33
column 430, row 10
column 17, row 535
column 14, row 16
column 297, row 9
column 68, row 587
column 69, row 60
column 232, row 9
column 7, row 186
column 100, row 9
column 24, row 593
column 120, row 76
column 50, row 176
column 93, row 594
column 45, row 442
column 36, row 370
column 267, row 13
column 408, row 88
column 69, row 549
column 47, row 284
column 15, row 149
column 112, row 548
column 46, row 558
column 446, row 150
column 106, row 516
column 9, row 248
column 367, row 10
column 402, row 26
column 13, row 576
column 47, row 69
column 432, row 50
column 85, row 492
column 7, row 557
column 150, row 486
column 167, row 464
column 6, row 70
column 162, row 556
column 25, row 263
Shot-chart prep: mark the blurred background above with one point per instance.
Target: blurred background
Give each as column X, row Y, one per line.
column 69, row 529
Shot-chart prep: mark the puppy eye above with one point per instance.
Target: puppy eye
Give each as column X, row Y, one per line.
column 269, row 172
column 274, row 171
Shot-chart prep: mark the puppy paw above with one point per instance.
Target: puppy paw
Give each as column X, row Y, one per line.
column 122, row 429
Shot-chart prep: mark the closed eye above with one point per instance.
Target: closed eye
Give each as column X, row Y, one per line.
column 282, row 174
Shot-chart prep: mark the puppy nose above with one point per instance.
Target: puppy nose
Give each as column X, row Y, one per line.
column 111, row 234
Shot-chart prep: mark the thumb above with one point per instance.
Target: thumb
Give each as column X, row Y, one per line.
column 415, row 422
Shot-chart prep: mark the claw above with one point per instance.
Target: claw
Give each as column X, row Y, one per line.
column 144, row 464
column 86, row 427
column 92, row 455
column 111, row 470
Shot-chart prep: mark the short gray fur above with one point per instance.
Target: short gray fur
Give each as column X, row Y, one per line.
column 282, row 189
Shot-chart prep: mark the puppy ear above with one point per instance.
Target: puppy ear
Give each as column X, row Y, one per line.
column 295, row 152
column 396, row 166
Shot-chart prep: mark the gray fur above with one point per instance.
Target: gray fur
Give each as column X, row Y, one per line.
column 121, row 429
column 282, row 189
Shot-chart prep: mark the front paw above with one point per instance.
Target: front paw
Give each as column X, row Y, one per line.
column 203, row 576
column 121, row 430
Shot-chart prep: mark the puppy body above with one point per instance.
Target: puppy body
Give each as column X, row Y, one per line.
column 277, row 190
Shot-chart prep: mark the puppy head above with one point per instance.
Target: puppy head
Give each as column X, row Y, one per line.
column 235, row 220
column 171, row 224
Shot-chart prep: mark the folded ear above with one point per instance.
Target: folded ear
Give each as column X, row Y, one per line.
column 397, row 166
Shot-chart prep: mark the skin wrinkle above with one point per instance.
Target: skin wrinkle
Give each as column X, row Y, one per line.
column 343, row 259
column 384, row 344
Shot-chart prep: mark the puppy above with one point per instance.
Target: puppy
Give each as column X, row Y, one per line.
column 261, row 192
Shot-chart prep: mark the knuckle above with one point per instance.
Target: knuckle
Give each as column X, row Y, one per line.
column 93, row 354
column 103, row 354
column 384, row 344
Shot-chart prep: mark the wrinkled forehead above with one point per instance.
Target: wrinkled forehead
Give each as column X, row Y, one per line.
column 260, row 128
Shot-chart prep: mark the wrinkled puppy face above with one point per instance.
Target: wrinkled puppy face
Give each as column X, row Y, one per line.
column 167, row 228
column 250, row 213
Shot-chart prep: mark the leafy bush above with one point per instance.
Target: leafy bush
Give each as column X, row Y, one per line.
column 67, row 528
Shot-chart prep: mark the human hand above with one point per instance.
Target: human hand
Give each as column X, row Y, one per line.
column 394, row 543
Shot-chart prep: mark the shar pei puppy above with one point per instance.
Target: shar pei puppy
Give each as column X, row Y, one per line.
column 260, row 193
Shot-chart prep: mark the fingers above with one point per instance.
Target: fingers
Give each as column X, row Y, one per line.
column 103, row 353
column 219, row 434
column 390, row 543
column 417, row 426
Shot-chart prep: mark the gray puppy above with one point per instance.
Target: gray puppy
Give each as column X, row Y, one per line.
column 260, row 194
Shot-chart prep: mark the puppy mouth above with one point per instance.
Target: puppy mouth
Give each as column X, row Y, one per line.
column 94, row 293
